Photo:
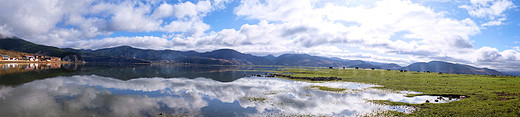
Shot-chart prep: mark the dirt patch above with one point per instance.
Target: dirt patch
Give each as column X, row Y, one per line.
column 505, row 98
column 506, row 94
column 303, row 78
column 451, row 96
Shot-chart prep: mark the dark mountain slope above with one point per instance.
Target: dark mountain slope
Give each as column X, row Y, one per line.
column 235, row 56
column 307, row 60
column 390, row 66
column 445, row 67
column 365, row 65
column 20, row 45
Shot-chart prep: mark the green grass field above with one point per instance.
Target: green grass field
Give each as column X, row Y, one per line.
column 488, row 95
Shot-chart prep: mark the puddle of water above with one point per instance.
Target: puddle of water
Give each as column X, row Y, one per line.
column 250, row 96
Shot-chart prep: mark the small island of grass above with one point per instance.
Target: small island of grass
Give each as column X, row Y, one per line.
column 324, row 88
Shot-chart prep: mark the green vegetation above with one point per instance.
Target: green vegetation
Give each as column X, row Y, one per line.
column 256, row 99
column 16, row 44
column 384, row 114
column 488, row 95
column 324, row 88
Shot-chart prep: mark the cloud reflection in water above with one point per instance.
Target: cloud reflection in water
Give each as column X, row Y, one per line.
column 96, row 95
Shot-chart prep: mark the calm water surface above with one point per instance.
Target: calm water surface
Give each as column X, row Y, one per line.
column 186, row 90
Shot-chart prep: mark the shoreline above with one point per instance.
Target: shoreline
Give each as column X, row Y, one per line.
column 2, row 61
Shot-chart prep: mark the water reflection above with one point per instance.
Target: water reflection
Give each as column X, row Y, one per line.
column 22, row 67
column 13, row 74
column 185, row 90
column 94, row 95
column 126, row 72
column 18, row 73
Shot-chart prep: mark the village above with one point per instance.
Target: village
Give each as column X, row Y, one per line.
column 15, row 62
column 30, row 58
column 21, row 57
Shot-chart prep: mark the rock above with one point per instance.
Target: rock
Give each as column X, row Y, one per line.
column 73, row 58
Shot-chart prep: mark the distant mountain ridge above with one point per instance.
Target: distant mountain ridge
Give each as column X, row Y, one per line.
column 128, row 54
column 233, row 57
column 224, row 57
column 445, row 67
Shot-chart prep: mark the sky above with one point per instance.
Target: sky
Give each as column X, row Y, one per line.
column 482, row 33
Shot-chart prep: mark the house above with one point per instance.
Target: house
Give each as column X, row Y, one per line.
column 28, row 57
column 41, row 57
column 55, row 59
column 5, row 57
column 51, row 59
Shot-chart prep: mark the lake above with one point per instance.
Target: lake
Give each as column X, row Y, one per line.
column 180, row 90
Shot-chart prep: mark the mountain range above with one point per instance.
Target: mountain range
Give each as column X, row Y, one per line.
column 128, row 54
column 445, row 67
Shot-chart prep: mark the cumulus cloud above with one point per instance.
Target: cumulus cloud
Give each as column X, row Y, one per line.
column 384, row 30
column 61, row 22
column 493, row 10
column 164, row 10
column 4, row 32
column 506, row 60
column 128, row 16
column 487, row 54
column 517, row 48
column 145, row 42
column 306, row 25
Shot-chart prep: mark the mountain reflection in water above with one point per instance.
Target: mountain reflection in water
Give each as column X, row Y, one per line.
column 184, row 91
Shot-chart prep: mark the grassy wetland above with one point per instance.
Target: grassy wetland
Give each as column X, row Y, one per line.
column 486, row 95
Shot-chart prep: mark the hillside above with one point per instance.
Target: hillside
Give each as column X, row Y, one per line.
column 20, row 45
column 13, row 54
column 237, row 57
column 365, row 65
column 222, row 57
column 445, row 67
column 390, row 66
column 71, row 55
column 308, row 60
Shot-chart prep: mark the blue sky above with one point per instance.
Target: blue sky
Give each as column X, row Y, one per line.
column 483, row 33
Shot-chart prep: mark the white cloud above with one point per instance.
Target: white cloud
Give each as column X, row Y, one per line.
column 61, row 22
column 189, row 9
column 146, row 42
column 30, row 17
column 517, row 48
column 493, row 10
column 387, row 28
column 487, row 54
column 431, row 33
column 128, row 17
column 164, row 10
column 495, row 22
column 4, row 32
column 488, row 8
